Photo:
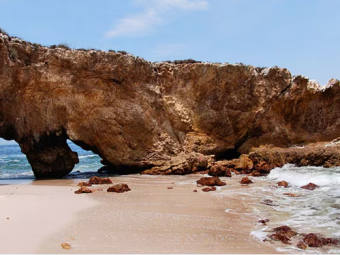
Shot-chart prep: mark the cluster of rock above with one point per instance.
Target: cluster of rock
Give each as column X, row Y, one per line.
column 118, row 188
column 285, row 234
column 157, row 118
column 288, row 236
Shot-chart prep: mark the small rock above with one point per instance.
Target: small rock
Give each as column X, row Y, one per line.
column 263, row 221
column 280, row 237
column 119, row 188
column 283, row 184
column 7, row 218
column 99, row 180
column 219, row 170
column 268, row 202
column 329, row 241
column 195, row 190
column 66, row 246
column 170, row 187
column 246, row 180
column 291, row 194
column 285, row 230
column 84, row 184
column 210, row 181
column 207, row 189
column 83, row 189
column 312, row 240
column 310, row 186
column 302, row 245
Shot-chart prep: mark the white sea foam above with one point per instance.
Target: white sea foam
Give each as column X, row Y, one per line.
column 259, row 235
column 299, row 176
column 88, row 156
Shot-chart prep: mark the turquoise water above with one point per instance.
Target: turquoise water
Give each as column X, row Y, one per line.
column 14, row 165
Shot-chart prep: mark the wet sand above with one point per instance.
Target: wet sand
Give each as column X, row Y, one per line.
column 148, row 219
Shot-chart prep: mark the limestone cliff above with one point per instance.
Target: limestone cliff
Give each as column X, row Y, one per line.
column 139, row 115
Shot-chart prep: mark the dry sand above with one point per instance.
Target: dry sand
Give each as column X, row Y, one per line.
column 148, row 219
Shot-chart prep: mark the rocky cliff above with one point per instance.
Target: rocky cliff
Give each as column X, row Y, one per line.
column 139, row 115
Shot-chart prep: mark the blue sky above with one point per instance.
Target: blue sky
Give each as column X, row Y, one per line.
column 300, row 35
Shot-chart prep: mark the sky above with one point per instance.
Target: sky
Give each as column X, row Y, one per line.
column 300, row 35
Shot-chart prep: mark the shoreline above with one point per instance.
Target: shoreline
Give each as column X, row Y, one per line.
column 28, row 213
column 148, row 219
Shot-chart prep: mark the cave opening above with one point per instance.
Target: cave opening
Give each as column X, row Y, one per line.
column 89, row 162
column 14, row 165
column 228, row 154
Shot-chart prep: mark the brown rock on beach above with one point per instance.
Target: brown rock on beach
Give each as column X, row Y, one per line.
column 280, row 237
column 286, row 231
column 245, row 181
column 83, row 189
column 207, row 189
column 119, row 188
column 312, row 240
column 84, row 184
column 283, row 234
column 263, row 221
column 310, row 186
column 302, row 245
column 66, row 246
column 210, row 181
column 219, row 170
column 282, row 184
column 99, row 180
column 268, row 202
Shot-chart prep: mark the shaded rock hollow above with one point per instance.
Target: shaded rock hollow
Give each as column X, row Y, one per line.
column 137, row 115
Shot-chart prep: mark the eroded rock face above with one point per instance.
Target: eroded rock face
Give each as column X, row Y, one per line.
column 141, row 116
column 323, row 154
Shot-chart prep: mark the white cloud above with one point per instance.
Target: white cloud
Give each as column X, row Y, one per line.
column 187, row 5
column 152, row 16
column 135, row 25
column 169, row 50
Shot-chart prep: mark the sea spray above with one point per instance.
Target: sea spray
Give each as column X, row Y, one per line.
column 308, row 211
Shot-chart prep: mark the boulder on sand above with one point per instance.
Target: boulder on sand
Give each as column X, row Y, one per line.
column 210, row 181
column 207, row 189
column 99, row 180
column 83, row 189
column 246, row 180
column 119, row 188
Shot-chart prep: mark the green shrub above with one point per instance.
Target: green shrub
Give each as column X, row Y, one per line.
column 186, row 61
column 63, row 46
column 122, row 52
column 36, row 45
column 112, row 51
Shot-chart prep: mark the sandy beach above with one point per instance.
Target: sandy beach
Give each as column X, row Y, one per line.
column 38, row 216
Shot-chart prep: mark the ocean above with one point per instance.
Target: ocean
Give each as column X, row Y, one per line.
column 14, row 164
column 316, row 211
